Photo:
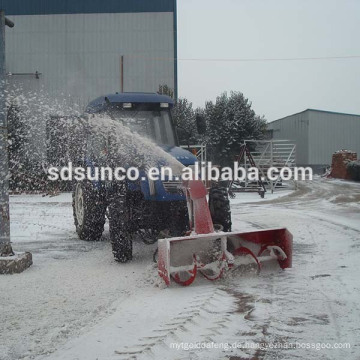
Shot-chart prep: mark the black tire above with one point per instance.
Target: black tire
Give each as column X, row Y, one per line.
column 89, row 208
column 219, row 205
column 181, row 219
column 120, row 234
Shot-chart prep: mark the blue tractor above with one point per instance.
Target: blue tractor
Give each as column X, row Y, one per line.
column 139, row 209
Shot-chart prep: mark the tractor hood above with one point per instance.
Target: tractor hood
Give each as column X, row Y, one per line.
column 180, row 154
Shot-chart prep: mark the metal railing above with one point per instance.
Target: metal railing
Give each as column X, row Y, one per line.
column 272, row 153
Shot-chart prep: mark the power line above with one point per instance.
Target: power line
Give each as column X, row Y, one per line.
column 345, row 57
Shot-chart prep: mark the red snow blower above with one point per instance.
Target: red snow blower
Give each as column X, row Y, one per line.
column 211, row 252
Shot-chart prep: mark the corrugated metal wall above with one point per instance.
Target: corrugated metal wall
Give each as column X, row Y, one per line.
column 295, row 128
column 79, row 54
column 318, row 134
column 330, row 132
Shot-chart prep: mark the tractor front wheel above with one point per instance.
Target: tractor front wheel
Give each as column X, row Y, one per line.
column 219, row 205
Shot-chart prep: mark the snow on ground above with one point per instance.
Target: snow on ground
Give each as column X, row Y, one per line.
column 75, row 302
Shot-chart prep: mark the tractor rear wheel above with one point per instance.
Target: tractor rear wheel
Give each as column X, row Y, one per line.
column 89, row 208
column 219, row 205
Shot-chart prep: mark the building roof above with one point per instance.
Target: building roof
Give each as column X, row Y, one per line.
column 128, row 97
column 41, row 7
column 316, row 110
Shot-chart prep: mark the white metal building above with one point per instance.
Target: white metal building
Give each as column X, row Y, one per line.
column 318, row 134
column 88, row 48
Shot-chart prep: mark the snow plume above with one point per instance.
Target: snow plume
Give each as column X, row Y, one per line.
column 125, row 147
column 28, row 112
column 33, row 110
column 46, row 131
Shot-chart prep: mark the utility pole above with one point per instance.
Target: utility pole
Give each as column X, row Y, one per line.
column 5, row 247
column 9, row 261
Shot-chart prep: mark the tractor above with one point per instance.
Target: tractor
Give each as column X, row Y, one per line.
column 143, row 209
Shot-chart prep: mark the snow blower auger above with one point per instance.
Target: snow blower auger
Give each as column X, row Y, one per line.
column 211, row 252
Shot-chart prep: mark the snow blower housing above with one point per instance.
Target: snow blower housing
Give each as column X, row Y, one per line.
column 211, row 252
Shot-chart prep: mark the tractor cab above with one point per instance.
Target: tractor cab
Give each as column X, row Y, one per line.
column 147, row 114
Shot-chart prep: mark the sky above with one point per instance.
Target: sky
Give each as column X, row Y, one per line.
column 271, row 29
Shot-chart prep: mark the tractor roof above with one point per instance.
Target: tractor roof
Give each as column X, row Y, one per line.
column 127, row 97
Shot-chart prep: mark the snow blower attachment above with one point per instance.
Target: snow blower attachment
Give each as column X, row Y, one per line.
column 210, row 253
